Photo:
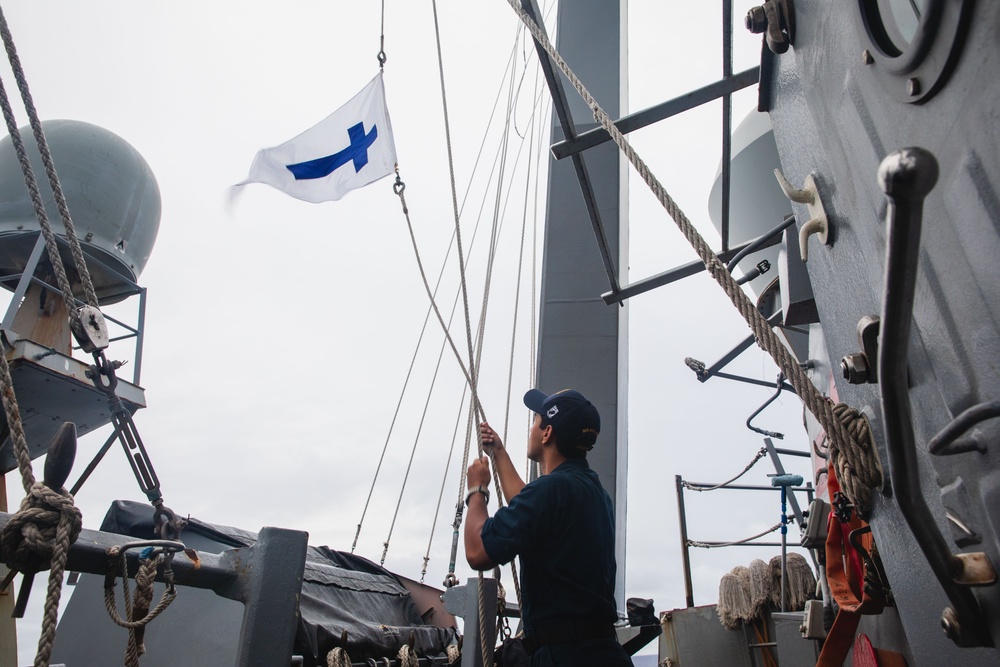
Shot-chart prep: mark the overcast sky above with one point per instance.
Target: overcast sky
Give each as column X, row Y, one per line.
column 279, row 333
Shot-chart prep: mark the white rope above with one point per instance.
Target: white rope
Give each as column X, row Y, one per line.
column 454, row 203
column 437, row 508
column 713, row 545
column 695, row 487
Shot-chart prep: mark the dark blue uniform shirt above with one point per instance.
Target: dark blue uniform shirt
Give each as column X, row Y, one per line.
column 563, row 527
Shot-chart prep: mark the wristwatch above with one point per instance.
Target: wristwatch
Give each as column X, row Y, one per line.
column 478, row 489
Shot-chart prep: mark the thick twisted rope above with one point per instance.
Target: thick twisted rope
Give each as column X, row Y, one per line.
column 407, row 656
column 36, row 538
column 695, row 487
column 141, row 600
column 30, row 539
column 713, row 545
column 136, row 609
column 60, row 199
column 13, row 413
column 30, row 548
column 858, row 469
column 338, row 658
column 767, row 339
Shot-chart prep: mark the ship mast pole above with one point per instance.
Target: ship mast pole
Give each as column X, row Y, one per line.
column 582, row 342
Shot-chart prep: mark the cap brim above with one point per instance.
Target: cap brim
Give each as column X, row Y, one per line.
column 534, row 399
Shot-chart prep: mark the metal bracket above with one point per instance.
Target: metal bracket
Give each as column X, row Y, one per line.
column 862, row 367
column 976, row 570
column 464, row 601
column 775, row 18
column 818, row 223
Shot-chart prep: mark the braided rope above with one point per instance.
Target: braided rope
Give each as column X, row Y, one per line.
column 437, row 312
column 483, row 644
column 141, row 600
column 695, row 487
column 338, row 658
column 29, row 540
column 138, row 605
column 819, row 405
column 407, row 656
column 36, row 538
column 453, row 652
column 43, row 149
column 474, row 404
column 858, row 469
column 454, row 203
column 49, row 547
column 513, row 338
column 713, row 545
column 14, row 423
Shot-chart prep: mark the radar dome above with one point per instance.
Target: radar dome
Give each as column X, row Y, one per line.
column 113, row 200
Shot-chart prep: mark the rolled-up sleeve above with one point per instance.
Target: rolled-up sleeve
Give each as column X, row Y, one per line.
column 515, row 529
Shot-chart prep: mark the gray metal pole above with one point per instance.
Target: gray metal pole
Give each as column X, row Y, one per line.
column 685, row 554
column 24, row 282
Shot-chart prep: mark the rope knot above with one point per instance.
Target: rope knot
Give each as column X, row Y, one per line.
column 856, row 461
column 338, row 657
column 46, row 523
column 407, row 656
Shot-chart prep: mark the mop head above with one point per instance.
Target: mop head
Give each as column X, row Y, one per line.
column 801, row 582
column 761, row 583
column 734, row 606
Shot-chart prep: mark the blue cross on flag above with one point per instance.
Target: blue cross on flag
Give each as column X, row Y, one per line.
column 349, row 149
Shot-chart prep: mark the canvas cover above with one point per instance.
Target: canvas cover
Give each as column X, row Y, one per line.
column 340, row 592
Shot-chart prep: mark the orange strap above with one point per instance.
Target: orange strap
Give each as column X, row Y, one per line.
column 845, row 575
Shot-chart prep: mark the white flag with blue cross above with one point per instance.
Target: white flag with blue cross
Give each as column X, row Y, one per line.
column 349, row 149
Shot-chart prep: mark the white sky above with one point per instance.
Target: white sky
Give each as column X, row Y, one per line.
column 279, row 333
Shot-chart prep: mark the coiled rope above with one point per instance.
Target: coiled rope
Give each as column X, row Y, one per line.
column 38, row 537
column 821, row 407
column 407, row 656
column 858, row 469
column 338, row 657
column 137, row 611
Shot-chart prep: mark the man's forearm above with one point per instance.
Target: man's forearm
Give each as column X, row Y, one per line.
column 475, row 552
column 510, row 481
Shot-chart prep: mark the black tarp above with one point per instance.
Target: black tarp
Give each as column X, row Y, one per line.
column 340, row 592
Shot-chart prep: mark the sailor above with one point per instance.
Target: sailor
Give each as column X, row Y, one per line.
column 561, row 525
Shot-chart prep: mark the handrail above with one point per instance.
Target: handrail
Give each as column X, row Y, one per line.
column 906, row 177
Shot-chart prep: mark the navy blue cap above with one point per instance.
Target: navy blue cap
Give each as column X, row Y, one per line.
column 574, row 419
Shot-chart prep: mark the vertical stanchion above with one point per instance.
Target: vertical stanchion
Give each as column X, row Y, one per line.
column 784, row 547
column 783, row 481
column 688, row 589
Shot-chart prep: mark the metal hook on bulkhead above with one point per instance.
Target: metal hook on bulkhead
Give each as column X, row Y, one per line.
column 818, row 223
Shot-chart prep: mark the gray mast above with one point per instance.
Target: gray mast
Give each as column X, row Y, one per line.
column 583, row 342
